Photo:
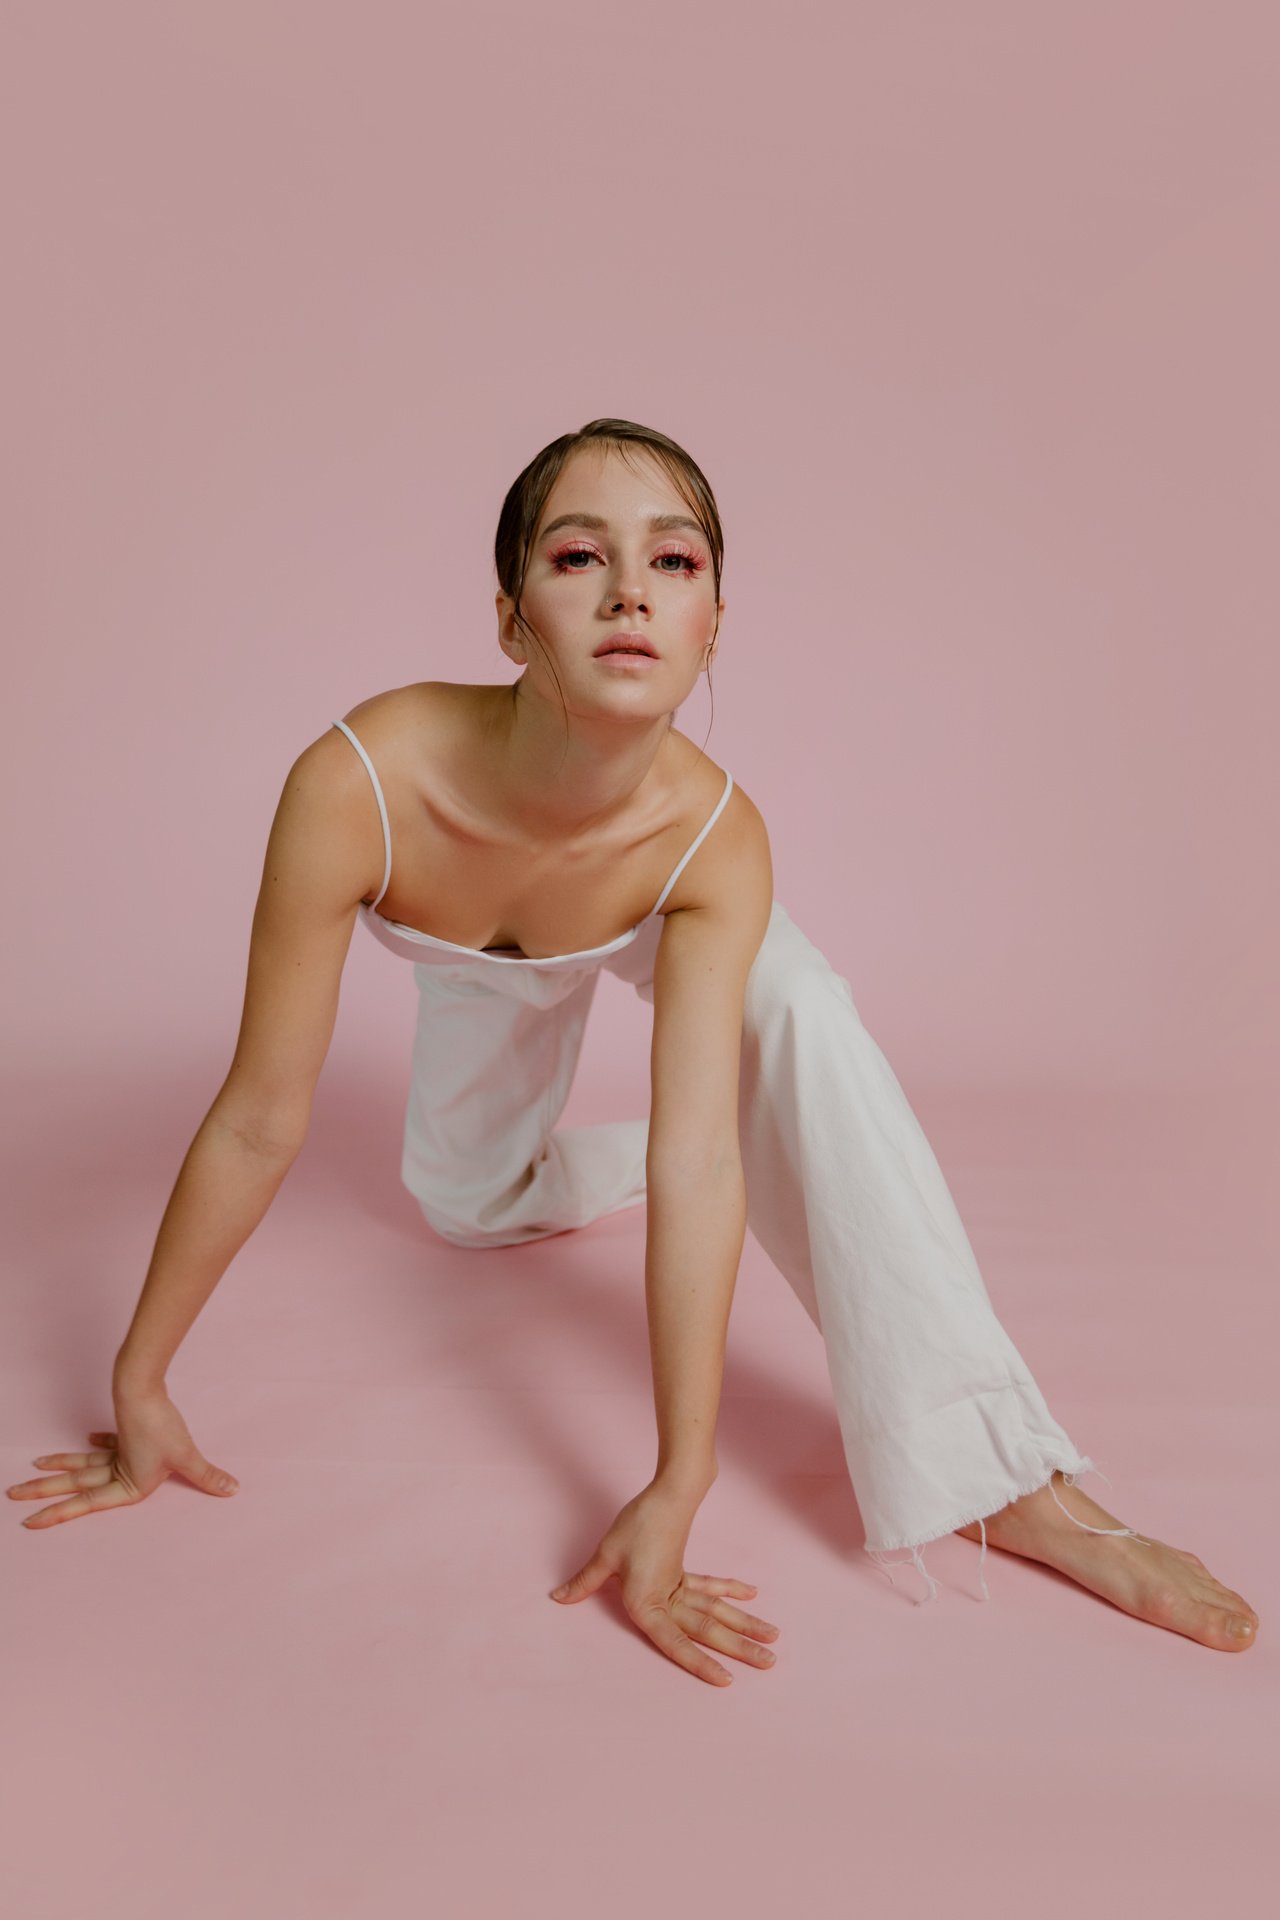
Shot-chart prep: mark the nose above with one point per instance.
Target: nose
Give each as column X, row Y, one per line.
column 627, row 597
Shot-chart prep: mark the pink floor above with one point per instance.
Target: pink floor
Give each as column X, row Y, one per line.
column 346, row 1693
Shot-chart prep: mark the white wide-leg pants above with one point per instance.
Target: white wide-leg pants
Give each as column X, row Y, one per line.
column 941, row 1421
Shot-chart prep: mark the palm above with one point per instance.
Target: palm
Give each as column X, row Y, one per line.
column 682, row 1613
column 123, row 1468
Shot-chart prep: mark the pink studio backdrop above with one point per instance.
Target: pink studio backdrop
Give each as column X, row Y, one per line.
column 969, row 315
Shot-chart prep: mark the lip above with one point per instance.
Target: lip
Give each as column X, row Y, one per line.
column 641, row 640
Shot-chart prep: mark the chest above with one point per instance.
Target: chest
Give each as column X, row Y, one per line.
column 461, row 882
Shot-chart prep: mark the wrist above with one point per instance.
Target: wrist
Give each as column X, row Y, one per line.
column 133, row 1378
column 689, row 1478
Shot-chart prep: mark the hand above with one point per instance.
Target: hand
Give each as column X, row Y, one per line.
column 153, row 1442
column 645, row 1548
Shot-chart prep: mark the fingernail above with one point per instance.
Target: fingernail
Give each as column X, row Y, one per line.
column 1240, row 1628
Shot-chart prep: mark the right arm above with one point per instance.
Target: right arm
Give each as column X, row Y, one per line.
column 324, row 854
column 317, row 868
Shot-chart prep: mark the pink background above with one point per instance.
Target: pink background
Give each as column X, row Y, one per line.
column 969, row 313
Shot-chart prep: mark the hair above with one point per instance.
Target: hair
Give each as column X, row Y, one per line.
column 528, row 493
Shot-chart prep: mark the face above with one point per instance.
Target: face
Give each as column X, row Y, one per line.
column 608, row 565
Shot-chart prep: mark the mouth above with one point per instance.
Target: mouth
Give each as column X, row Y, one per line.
column 626, row 646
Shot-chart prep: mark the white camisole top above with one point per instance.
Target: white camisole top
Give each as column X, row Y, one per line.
column 426, row 947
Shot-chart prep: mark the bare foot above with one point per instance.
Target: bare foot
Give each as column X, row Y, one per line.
column 1154, row 1582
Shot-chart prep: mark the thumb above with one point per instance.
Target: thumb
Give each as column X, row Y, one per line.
column 210, row 1479
column 586, row 1581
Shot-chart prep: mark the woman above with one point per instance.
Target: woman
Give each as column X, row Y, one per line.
column 530, row 823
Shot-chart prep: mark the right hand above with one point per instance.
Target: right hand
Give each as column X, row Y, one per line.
column 152, row 1443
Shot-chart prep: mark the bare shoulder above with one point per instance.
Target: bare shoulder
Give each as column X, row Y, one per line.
column 390, row 726
column 735, row 853
column 324, row 820
column 710, row 939
column 724, row 896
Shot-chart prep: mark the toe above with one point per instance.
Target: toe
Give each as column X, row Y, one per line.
column 1231, row 1603
column 1236, row 1630
column 1212, row 1622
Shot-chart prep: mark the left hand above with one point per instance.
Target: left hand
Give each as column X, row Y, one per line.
column 681, row 1612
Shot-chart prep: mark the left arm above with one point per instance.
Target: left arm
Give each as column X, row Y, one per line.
column 696, row 1225
column 697, row 1202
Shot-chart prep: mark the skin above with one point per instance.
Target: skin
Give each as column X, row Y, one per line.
column 618, row 757
column 1161, row 1584
column 627, row 578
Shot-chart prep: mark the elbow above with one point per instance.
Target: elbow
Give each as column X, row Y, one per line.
column 275, row 1132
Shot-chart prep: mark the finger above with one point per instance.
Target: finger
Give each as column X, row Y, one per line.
column 49, row 1484
column 210, row 1479
column 71, row 1459
column 719, row 1583
column 704, row 1626
column 94, row 1500
column 587, row 1580
column 103, row 1440
column 744, row 1622
column 679, row 1646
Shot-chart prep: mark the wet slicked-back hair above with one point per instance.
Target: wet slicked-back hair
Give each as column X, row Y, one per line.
column 528, row 493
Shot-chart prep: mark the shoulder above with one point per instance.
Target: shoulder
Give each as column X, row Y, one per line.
column 390, row 724
column 326, row 812
column 722, row 901
column 711, row 934
column 393, row 727
column 735, row 852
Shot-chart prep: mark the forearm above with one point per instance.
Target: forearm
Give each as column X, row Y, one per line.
column 225, row 1186
column 697, row 1221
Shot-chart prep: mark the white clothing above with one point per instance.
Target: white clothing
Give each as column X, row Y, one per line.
column 941, row 1421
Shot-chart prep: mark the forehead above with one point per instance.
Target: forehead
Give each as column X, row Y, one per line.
column 599, row 480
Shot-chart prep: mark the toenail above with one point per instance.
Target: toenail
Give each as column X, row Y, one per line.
column 1239, row 1628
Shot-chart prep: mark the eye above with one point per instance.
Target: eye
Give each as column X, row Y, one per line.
column 675, row 560
column 563, row 558
column 686, row 560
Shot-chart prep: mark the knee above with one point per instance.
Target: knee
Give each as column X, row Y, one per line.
column 474, row 1237
column 447, row 1229
column 470, row 1220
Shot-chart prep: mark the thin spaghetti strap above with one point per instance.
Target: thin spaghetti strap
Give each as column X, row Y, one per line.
column 719, row 809
column 382, row 805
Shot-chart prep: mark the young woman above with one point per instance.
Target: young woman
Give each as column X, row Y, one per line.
column 544, row 831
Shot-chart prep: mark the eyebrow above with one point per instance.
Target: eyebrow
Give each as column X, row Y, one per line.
column 658, row 522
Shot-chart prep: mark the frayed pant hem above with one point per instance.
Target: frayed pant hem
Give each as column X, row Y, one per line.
column 915, row 1548
column 1042, row 1477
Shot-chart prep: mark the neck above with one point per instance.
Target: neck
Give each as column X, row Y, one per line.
column 560, row 782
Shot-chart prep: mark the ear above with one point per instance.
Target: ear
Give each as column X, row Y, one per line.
column 715, row 644
column 510, row 638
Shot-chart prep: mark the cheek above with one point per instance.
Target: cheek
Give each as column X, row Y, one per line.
column 548, row 605
column 692, row 615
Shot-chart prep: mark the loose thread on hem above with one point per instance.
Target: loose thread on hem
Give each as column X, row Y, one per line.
column 877, row 1554
column 1069, row 1480
column 917, row 1559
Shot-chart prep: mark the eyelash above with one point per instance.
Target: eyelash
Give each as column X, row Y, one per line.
column 692, row 564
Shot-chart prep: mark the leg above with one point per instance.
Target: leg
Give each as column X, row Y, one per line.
column 941, row 1420
column 943, row 1425
column 492, row 1068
